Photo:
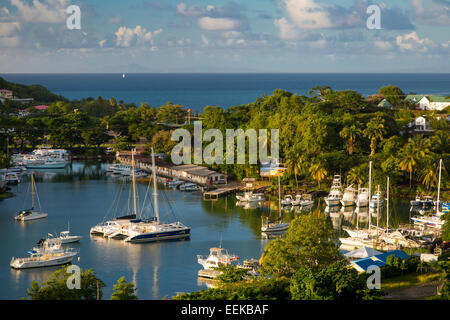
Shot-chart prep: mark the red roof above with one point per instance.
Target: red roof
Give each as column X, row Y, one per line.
column 5, row 90
column 41, row 107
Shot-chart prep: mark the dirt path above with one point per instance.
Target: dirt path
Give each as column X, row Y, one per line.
column 419, row 292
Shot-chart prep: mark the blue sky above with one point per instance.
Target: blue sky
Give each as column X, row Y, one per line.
column 224, row 36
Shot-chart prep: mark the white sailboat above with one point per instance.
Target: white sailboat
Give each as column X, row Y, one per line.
column 435, row 220
column 270, row 226
column 31, row 214
column 335, row 195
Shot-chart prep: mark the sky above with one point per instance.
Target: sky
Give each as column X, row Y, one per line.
column 214, row 36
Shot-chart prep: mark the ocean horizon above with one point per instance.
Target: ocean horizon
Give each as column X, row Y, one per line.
column 197, row 90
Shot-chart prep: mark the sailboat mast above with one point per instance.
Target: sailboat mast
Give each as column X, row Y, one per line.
column 279, row 195
column 439, row 187
column 387, row 204
column 134, row 182
column 370, row 189
column 32, row 190
column 378, row 208
column 155, row 188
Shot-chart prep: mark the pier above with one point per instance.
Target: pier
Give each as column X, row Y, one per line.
column 220, row 192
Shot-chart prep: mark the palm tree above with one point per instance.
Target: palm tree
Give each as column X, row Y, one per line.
column 428, row 177
column 294, row 164
column 350, row 133
column 408, row 161
column 355, row 175
column 318, row 172
column 375, row 131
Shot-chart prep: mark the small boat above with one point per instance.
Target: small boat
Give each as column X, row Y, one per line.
column 47, row 255
column 335, row 195
column 251, row 197
column 189, row 187
column 64, row 237
column 362, row 199
column 287, row 201
column 174, row 183
column 31, row 214
column 270, row 226
column 349, row 197
column 11, row 178
column 377, row 200
column 46, row 164
column 429, row 221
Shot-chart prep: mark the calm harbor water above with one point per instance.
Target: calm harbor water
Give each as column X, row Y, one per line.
column 83, row 195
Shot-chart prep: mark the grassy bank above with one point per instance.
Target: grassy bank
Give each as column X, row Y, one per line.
column 408, row 280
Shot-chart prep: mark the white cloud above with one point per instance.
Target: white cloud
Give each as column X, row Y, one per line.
column 308, row 14
column 384, row 45
column 287, row 30
column 208, row 23
column 47, row 11
column 411, row 41
column 126, row 37
column 436, row 12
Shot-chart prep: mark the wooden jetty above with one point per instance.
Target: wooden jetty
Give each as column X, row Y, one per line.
column 220, row 192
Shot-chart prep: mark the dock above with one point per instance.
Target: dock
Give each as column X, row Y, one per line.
column 220, row 192
column 209, row 273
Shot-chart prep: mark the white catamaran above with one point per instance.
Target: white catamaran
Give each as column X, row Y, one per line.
column 31, row 214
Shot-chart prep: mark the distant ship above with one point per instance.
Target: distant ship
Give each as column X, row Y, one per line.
column 123, row 75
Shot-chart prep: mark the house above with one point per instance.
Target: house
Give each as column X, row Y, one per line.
column 379, row 260
column 6, row 94
column 385, row 104
column 429, row 102
column 421, row 125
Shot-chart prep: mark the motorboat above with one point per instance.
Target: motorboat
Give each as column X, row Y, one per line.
column 377, row 200
column 31, row 214
column 287, row 201
column 64, row 237
column 174, row 183
column 11, row 178
column 217, row 257
column 349, row 197
column 47, row 255
column 190, row 187
column 251, row 197
column 335, row 195
column 46, row 164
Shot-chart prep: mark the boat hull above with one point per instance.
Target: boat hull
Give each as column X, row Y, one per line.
column 348, row 203
column 32, row 217
column 332, row 202
column 159, row 236
column 17, row 264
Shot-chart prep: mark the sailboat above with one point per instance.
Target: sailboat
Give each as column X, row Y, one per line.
column 270, row 226
column 31, row 214
column 433, row 221
column 154, row 230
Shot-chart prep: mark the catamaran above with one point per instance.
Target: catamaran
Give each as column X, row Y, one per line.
column 335, row 195
column 31, row 214
column 154, row 230
column 47, row 255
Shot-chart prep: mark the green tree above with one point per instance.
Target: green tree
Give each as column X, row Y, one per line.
column 392, row 94
column 350, row 133
column 124, row 290
column 318, row 172
column 375, row 130
column 55, row 288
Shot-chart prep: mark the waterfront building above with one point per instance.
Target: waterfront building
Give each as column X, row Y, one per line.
column 429, row 102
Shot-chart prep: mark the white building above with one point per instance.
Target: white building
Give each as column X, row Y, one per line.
column 429, row 102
